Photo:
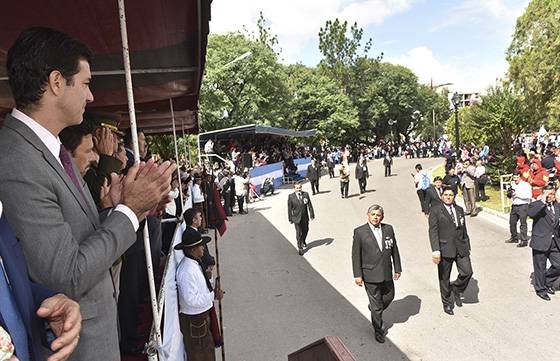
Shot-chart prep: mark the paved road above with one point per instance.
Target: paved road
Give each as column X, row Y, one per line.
column 278, row 302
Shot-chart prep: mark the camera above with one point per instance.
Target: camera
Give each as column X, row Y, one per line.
column 509, row 192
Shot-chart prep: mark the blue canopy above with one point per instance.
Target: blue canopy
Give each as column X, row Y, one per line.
column 253, row 129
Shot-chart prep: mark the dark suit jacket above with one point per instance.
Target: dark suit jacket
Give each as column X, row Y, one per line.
column 545, row 225
column 445, row 237
column 360, row 172
column 313, row 173
column 28, row 295
column 371, row 263
column 432, row 197
column 387, row 162
column 300, row 211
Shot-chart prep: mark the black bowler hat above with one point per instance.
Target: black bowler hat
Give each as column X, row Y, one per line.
column 191, row 238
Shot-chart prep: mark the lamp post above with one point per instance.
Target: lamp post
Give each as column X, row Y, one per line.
column 456, row 100
column 392, row 122
column 435, row 87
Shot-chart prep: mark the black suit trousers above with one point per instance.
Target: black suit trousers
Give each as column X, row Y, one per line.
column 464, row 268
column 387, row 170
column 363, row 183
column 301, row 232
column 380, row 297
column 543, row 277
column 518, row 213
column 315, row 186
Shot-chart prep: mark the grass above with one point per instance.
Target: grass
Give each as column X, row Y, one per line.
column 494, row 201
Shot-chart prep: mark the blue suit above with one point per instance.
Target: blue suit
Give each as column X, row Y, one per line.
column 28, row 295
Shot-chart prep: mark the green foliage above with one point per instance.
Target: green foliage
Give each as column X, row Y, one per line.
column 165, row 147
column 534, row 61
column 496, row 121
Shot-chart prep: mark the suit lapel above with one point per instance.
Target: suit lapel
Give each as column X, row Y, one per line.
column 445, row 211
column 372, row 237
column 32, row 138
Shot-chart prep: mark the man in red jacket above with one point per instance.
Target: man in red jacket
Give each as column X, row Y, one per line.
column 538, row 178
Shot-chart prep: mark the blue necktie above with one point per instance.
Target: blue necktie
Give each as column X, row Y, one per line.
column 12, row 318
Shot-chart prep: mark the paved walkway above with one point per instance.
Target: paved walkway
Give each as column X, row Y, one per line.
column 278, row 302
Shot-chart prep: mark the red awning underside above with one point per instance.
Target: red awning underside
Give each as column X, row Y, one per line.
column 167, row 41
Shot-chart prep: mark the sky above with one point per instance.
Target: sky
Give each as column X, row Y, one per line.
column 446, row 41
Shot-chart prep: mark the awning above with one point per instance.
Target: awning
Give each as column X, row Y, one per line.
column 252, row 129
column 167, row 41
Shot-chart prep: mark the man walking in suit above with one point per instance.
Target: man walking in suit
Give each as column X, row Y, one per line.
column 373, row 248
column 313, row 174
column 450, row 244
column 300, row 210
column 387, row 163
column 544, row 241
column 67, row 246
column 26, row 305
column 434, row 193
column 362, row 174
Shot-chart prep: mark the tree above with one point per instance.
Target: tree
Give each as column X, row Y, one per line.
column 534, row 62
column 319, row 103
column 245, row 92
column 496, row 121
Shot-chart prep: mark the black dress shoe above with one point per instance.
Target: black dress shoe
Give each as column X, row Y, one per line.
column 300, row 252
column 457, row 297
column 379, row 337
column 448, row 310
column 522, row 244
column 544, row 296
column 512, row 240
column 550, row 291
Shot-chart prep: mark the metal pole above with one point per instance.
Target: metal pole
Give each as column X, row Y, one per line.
column 176, row 155
column 134, row 130
column 218, row 279
column 457, row 130
column 187, row 155
column 199, row 151
column 434, row 122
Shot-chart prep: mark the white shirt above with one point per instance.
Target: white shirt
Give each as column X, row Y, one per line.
column 171, row 207
column 480, row 170
column 418, row 178
column 523, row 193
column 378, row 235
column 194, row 296
column 53, row 145
column 197, row 195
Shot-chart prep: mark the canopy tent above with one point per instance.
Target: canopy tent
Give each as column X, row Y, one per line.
column 167, row 42
column 253, row 129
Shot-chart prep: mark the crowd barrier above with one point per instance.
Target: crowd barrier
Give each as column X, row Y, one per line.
column 276, row 171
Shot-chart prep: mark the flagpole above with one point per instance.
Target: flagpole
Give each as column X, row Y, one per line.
column 218, row 281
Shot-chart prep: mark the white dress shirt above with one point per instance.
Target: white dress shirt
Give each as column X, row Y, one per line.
column 523, row 193
column 197, row 195
column 378, row 235
column 53, row 145
column 194, row 296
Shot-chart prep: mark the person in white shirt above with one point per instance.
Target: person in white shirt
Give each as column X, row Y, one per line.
column 196, row 298
column 241, row 186
column 520, row 192
column 209, row 147
column 422, row 183
column 481, row 179
column 199, row 199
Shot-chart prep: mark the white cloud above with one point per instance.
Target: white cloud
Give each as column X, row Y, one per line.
column 472, row 12
column 297, row 22
column 464, row 76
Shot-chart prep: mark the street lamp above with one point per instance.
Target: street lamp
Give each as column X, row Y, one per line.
column 240, row 57
column 392, row 122
column 456, row 100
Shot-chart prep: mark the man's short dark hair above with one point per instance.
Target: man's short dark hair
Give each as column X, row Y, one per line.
column 189, row 215
column 418, row 166
column 127, row 139
column 438, row 178
column 448, row 189
column 36, row 53
column 516, row 173
column 71, row 137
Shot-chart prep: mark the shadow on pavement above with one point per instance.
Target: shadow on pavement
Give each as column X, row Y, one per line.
column 471, row 293
column 320, row 242
column 401, row 310
column 323, row 192
column 277, row 303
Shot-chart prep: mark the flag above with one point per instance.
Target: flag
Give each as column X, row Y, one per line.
column 216, row 213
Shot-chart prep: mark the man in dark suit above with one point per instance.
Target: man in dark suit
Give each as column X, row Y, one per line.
column 387, row 163
column 373, row 248
column 544, row 241
column 27, row 305
column 300, row 210
column 450, row 243
column 362, row 174
column 434, row 193
column 313, row 175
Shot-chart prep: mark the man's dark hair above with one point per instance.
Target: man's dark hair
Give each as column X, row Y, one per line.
column 189, row 215
column 36, row 53
column 516, row 172
column 71, row 137
column 418, row 166
column 448, row 189
column 438, row 178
